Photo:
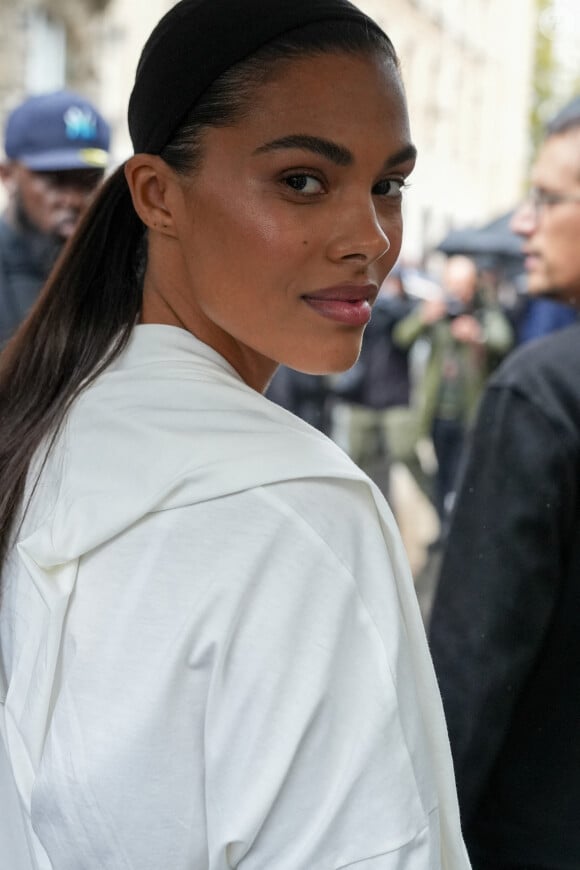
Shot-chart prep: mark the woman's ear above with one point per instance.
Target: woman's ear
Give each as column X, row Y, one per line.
column 150, row 180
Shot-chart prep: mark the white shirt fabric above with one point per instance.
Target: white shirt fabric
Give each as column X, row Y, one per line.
column 213, row 652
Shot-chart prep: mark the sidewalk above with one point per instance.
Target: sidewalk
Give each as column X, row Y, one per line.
column 419, row 525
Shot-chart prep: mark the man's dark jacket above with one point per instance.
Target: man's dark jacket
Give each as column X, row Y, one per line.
column 26, row 258
column 505, row 628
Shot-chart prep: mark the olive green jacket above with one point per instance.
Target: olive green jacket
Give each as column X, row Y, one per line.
column 476, row 362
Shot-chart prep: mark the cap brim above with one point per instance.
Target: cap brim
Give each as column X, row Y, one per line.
column 79, row 158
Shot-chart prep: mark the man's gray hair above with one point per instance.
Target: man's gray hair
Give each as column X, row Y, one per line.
column 565, row 119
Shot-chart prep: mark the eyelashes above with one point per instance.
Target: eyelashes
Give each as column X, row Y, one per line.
column 390, row 187
column 302, row 182
column 309, row 185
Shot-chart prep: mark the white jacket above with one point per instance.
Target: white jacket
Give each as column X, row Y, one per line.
column 213, row 651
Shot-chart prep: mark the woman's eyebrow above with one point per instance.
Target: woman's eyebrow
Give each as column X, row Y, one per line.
column 334, row 152
column 403, row 155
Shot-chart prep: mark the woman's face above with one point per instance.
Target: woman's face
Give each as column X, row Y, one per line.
column 286, row 232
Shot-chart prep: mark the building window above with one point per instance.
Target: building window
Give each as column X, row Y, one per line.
column 45, row 53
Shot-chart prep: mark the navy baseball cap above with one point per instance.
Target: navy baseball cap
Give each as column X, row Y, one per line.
column 60, row 130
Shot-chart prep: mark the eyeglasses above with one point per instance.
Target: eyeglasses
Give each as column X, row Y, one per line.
column 540, row 200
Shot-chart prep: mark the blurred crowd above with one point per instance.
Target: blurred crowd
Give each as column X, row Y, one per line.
column 410, row 400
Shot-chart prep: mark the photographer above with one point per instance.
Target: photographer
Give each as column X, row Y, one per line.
column 467, row 335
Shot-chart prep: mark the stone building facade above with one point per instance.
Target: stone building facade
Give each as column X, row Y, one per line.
column 467, row 67
column 466, row 64
column 47, row 44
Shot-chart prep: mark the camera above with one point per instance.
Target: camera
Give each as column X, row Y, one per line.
column 455, row 308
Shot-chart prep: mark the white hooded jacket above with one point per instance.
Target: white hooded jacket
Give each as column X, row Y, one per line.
column 213, row 653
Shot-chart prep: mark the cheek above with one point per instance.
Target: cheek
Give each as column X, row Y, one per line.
column 249, row 231
column 394, row 232
column 31, row 198
column 396, row 237
column 392, row 224
column 37, row 205
column 562, row 246
column 561, row 255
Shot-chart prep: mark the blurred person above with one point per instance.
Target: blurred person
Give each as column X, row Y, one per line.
column 540, row 316
column 505, row 626
column 375, row 394
column 467, row 335
column 56, row 147
column 212, row 653
column 310, row 397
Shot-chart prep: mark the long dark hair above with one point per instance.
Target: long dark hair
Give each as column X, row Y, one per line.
column 91, row 301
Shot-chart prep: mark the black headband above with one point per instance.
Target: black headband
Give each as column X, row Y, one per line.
column 198, row 40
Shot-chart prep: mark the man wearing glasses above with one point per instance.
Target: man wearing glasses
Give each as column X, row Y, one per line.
column 505, row 626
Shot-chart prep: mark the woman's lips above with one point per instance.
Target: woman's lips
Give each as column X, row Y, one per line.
column 347, row 304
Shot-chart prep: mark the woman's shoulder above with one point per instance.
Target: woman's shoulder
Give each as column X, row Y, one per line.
column 336, row 518
column 346, row 527
column 288, row 537
column 339, row 511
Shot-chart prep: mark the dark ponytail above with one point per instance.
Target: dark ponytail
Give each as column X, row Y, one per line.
column 81, row 321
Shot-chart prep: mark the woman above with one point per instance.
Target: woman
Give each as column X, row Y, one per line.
column 212, row 650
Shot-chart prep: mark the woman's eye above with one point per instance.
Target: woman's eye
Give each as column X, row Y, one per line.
column 304, row 183
column 389, row 187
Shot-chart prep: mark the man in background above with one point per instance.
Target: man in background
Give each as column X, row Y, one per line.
column 56, row 152
column 468, row 334
column 505, row 626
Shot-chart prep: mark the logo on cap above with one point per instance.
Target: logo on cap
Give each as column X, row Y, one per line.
column 80, row 123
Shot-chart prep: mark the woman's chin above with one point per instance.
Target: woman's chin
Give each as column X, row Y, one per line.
column 332, row 357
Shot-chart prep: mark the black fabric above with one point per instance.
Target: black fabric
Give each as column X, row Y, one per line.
column 198, row 40
column 308, row 396
column 505, row 626
column 448, row 438
column 486, row 866
column 26, row 258
column 380, row 378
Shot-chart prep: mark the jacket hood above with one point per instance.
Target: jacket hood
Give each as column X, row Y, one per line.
column 169, row 423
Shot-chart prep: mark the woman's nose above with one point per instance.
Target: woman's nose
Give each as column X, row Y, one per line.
column 359, row 235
